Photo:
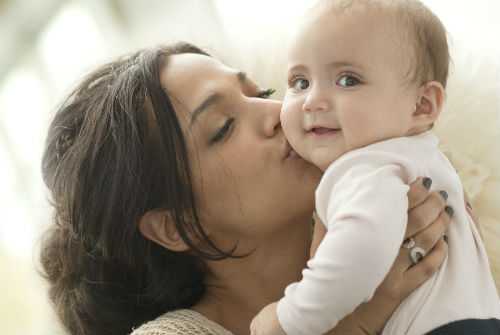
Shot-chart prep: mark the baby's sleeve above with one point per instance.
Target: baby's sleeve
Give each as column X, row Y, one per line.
column 362, row 200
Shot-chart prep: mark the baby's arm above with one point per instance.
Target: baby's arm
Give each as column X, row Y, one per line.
column 318, row 235
column 266, row 321
column 366, row 223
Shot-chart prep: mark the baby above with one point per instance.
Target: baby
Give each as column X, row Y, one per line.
column 366, row 82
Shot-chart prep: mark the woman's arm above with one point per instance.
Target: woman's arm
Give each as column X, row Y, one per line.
column 427, row 223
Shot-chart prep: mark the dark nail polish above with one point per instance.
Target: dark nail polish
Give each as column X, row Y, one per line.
column 444, row 195
column 449, row 210
column 445, row 238
column 427, row 182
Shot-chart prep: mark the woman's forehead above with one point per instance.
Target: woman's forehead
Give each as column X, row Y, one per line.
column 188, row 78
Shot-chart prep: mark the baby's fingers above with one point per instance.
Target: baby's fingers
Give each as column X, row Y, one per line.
column 253, row 326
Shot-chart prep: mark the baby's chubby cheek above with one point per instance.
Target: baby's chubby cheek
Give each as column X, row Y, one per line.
column 292, row 129
column 285, row 119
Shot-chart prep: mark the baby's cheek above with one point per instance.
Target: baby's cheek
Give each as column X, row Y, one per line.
column 290, row 115
column 286, row 106
column 359, row 127
column 287, row 125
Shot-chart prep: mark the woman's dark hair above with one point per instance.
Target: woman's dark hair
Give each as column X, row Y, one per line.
column 114, row 151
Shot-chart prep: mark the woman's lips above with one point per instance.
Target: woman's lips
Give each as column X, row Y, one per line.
column 292, row 154
column 289, row 152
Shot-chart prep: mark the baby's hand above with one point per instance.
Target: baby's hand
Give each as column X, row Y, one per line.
column 266, row 322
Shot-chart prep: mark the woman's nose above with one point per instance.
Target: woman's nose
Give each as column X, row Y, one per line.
column 271, row 120
column 316, row 101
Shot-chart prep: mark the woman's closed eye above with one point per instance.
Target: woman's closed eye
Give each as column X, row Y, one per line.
column 228, row 125
column 221, row 132
column 266, row 93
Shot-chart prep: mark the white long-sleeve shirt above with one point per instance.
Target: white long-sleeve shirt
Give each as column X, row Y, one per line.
column 362, row 200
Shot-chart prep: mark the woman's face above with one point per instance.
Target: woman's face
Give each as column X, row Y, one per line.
column 246, row 184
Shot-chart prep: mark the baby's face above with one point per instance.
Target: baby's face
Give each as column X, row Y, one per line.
column 346, row 86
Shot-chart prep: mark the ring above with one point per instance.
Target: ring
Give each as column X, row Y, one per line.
column 416, row 254
column 408, row 243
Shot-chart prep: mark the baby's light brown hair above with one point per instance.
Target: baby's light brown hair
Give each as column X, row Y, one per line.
column 422, row 29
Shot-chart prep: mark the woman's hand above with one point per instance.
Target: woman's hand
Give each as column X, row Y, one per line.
column 428, row 220
column 468, row 207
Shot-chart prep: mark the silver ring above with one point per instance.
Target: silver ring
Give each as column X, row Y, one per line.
column 416, row 254
column 408, row 243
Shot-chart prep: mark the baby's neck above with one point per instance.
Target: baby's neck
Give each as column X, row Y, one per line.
column 419, row 130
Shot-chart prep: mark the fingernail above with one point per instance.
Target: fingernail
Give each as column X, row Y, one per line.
column 427, row 182
column 444, row 195
column 449, row 210
column 445, row 238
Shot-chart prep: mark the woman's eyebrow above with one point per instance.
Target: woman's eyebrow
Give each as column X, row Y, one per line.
column 214, row 98
column 209, row 101
column 242, row 77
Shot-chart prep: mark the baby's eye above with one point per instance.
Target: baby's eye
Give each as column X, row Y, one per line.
column 299, row 84
column 348, row 81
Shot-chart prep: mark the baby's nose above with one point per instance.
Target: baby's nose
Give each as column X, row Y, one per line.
column 316, row 101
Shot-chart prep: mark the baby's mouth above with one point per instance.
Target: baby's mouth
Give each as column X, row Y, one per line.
column 324, row 131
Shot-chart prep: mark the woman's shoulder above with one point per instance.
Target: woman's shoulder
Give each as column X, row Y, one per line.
column 181, row 322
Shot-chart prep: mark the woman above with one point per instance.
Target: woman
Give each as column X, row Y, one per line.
column 174, row 188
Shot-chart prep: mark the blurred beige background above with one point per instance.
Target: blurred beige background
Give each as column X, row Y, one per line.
column 46, row 45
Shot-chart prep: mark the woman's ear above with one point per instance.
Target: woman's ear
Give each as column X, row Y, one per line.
column 158, row 226
column 429, row 105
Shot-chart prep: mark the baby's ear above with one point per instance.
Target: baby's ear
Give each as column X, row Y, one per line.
column 429, row 104
column 158, row 226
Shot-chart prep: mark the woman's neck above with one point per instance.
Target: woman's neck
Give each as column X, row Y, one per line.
column 237, row 289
